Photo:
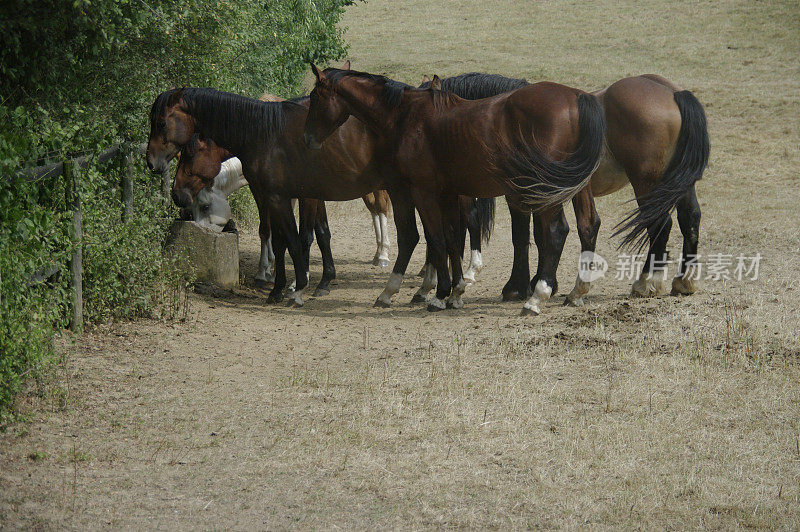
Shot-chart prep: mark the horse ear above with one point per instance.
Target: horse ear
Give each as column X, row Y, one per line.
column 175, row 97
column 319, row 75
column 425, row 78
column 346, row 65
column 436, row 83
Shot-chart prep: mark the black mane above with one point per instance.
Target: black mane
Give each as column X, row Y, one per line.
column 227, row 118
column 233, row 119
column 392, row 91
column 475, row 85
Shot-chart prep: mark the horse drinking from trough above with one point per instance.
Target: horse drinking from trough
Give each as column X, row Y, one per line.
column 266, row 137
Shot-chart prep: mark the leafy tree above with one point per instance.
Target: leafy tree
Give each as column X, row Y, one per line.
column 80, row 75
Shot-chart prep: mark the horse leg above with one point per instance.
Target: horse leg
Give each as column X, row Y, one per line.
column 588, row 227
column 383, row 214
column 455, row 233
column 407, row 239
column 686, row 281
column 653, row 277
column 264, row 276
column 284, row 226
column 371, row 203
column 471, row 223
column 550, row 232
column 517, row 287
column 429, row 277
column 307, row 213
column 278, row 244
column 323, row 233
column 430, row 212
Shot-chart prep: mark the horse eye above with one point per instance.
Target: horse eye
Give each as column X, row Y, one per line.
column 205, row 207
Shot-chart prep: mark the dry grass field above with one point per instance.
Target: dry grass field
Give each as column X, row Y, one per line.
column 664, row 413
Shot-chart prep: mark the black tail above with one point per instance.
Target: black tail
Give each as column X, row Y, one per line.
column 542, row 182
column 481, row 216
column 686, row 167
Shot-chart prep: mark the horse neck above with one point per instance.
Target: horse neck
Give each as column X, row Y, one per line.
column 366, row 104
column 230, row 140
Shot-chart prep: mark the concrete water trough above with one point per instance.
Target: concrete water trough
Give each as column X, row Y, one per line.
column 212, row 255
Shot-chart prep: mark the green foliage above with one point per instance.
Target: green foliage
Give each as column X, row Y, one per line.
column 111, row 57
column 80, row 75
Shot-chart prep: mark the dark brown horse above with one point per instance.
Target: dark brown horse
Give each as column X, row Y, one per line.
column 537, row 145
column 266, row 137
column 657, row 141
column 200, row 158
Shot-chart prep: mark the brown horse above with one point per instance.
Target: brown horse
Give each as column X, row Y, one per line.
column 200, row 157
column 442, row 146
column 265, row 136
column 657, row 140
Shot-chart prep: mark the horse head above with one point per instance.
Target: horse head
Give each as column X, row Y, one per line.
column 171, row 127
column 199, row 164
column 327, row 111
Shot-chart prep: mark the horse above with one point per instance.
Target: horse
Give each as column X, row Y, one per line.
column 277, row 165
column 537, row 145
column 656, row 140
column 195, row 157
column 378, row 205
column 200, row 157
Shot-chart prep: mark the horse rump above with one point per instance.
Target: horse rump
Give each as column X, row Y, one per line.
column 541, row 182
column 688, row 162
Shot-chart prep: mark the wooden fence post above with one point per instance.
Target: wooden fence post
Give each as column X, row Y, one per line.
column 127, row 188
column 73, row 198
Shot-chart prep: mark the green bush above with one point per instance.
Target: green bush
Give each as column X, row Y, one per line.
column 78, row 76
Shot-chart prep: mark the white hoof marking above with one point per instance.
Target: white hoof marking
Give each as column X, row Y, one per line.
column 541, row 293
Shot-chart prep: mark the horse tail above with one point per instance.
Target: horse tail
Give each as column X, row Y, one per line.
column 542, row 182
column 685, row 168
column 481, row 215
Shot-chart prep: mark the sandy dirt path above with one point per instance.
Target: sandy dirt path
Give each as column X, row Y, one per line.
column 665, row 413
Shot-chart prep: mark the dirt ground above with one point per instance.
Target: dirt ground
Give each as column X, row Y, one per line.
column 673, row 412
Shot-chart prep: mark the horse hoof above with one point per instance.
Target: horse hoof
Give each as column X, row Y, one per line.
column 574, row 302
column 455, row 304
column 469, row 280
column 375, row 261
column 513, row 295
column 418, row 298
column 274, row 299
column 319, row 292
column 436, row 304
column 263, row 284
column 683, row 287
column 383, row 263
column 379, row 303
column 530, row 311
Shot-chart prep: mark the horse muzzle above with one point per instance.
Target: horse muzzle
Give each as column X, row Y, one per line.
column 157, row 166
column 181, row 197
column 311, row 141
